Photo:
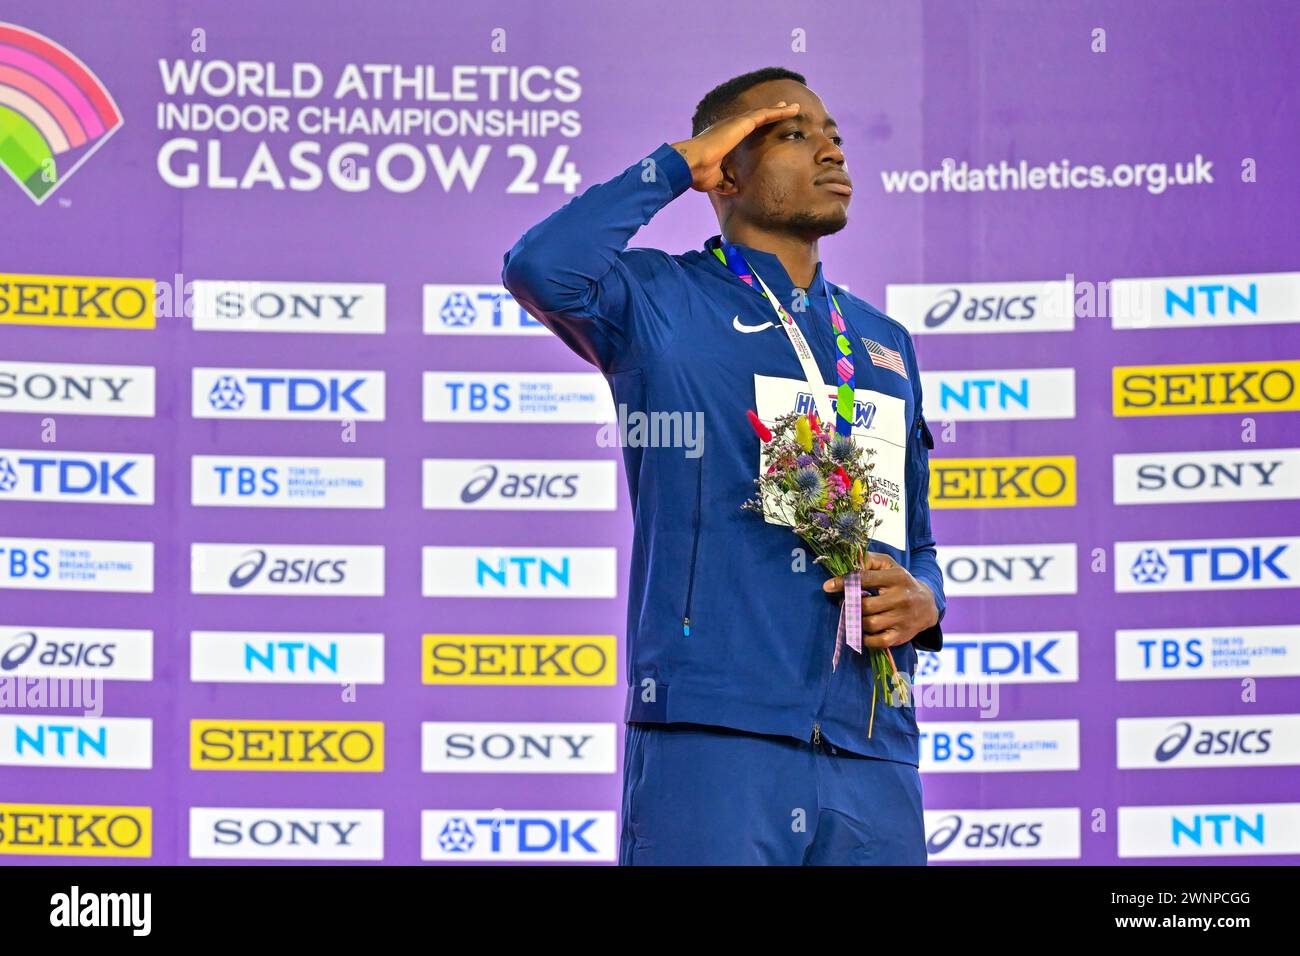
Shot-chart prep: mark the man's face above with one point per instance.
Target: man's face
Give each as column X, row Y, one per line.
column 790, row 175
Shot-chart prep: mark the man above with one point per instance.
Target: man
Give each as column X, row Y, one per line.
column 744, row 745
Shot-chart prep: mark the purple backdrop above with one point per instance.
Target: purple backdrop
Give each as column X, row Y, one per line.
column 911, row 84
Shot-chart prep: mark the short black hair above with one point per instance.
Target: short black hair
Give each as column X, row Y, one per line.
column 716, row 105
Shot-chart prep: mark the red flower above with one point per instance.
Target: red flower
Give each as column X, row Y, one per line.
column 844, row 476
column 812, row 420
column 760, row 429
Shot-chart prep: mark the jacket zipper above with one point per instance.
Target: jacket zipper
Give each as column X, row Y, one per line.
column 695, row 547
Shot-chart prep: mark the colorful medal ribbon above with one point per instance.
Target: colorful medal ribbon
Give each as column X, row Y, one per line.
column 851, row 610
column 735, row 261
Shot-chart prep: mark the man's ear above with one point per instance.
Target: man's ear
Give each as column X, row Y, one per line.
column 727, row 185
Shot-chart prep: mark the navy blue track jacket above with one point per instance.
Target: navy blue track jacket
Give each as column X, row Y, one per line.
column 722, row 627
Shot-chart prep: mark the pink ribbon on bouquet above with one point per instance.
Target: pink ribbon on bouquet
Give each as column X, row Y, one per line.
column 850, row 616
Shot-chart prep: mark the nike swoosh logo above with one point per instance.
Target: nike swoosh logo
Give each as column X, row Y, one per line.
column 741, row 327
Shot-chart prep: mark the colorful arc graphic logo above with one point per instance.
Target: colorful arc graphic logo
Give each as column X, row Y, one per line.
column 54, row 113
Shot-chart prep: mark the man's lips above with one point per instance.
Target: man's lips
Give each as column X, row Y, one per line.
column 838, row 183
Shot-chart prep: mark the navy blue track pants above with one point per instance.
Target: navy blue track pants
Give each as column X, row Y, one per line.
column 695, row 795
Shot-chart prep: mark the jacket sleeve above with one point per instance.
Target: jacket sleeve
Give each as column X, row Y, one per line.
column 574, row 273
column 924, row 562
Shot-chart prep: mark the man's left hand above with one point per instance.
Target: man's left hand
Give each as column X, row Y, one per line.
column 902, row 608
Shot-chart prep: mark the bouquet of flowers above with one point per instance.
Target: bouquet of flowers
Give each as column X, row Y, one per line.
column 816, row 482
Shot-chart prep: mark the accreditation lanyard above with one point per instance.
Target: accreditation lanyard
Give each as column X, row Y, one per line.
column 735, row 261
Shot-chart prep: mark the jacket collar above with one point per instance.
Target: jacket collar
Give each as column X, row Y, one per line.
column 769, row 267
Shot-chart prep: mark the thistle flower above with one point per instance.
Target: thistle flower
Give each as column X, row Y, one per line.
column 846, row 524
column 809, row 483
column 841, row 448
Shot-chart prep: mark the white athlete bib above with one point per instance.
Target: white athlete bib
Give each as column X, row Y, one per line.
column 878, row 423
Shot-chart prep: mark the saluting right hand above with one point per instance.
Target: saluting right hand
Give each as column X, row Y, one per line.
column 706, row 152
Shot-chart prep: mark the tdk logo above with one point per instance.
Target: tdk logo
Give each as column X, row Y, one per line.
column 1222, row 563
column 864, row 413
column 476, row 310
column 517, row 835
column 1149, row 567
column 299, row 394
column 1007, row 658
column 116, row 479
column 1208, row 743
column 524, row 836
column 288, row 394
column 1211, row 299
column 458, row 311
column 226, row 394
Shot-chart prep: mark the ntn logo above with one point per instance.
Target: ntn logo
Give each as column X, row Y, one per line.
column 524, row 570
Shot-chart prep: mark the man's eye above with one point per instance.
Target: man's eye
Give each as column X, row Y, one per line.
column 837, row 140
column 794, row 132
